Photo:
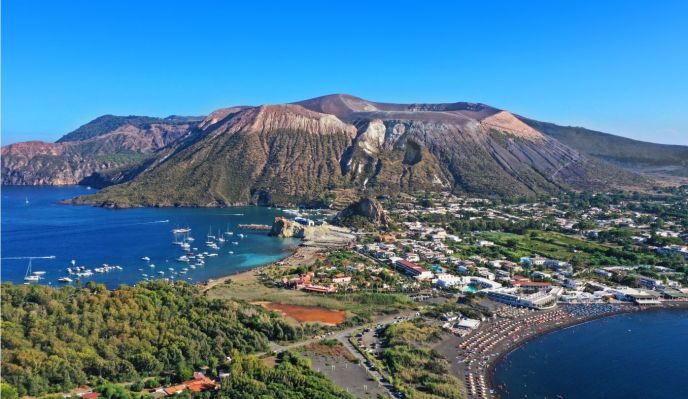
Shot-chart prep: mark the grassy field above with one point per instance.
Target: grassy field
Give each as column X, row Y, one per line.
column 364, row 305
column 549, row 244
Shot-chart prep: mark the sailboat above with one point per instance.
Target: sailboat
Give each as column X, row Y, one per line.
column 228, row 232
column 30, row 277
column 26, row 201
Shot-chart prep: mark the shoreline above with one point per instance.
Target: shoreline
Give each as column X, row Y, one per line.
column 489, row 370
column 306, row 252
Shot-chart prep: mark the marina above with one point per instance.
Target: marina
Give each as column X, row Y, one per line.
column 126, row 246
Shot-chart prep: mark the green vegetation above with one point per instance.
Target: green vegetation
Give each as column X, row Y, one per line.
column 418, row 372
column 291, row 378
column 559, row 246
column 360, row 306
column 107, row 123
column 56, row 339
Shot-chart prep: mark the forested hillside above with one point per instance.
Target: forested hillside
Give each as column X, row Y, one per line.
column 56, row 339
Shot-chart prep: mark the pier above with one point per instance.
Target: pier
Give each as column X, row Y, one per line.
column 255, row 227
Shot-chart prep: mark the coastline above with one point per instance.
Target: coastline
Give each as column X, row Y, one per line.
column 490, row 369
column 306, row 252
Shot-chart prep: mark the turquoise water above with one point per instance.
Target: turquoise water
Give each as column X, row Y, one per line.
column 640, row 355
column 92, row 236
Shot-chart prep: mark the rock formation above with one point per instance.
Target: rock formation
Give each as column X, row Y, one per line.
column 368, row 208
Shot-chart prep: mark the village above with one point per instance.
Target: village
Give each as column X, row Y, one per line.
column 482, row 277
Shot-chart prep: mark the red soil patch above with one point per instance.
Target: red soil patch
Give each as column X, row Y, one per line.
column 309, row 313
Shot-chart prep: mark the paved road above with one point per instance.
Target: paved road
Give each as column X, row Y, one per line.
column 343, row 337
column 387, row 320
column 375, row 374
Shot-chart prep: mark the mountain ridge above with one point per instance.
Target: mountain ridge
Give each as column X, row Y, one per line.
column 304, row 151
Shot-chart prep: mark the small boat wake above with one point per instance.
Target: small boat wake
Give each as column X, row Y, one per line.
column 155, row 222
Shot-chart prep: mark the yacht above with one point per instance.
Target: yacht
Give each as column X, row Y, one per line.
column 31, row 277
column 64, row 280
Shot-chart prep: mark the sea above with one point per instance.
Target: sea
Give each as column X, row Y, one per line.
column 57, row 236
column 641, row 355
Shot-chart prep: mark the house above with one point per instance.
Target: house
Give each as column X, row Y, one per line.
column 412, row 269
column 445, row 280
column 175, row 389
column 470, row 324
column 341, row 279
column 531, row 285
column 320, row 289
column 91, row 395
column 603, row 273
column 540, row 276
column 200, row 384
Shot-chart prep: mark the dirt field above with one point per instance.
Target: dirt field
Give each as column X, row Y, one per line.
column 305, row 314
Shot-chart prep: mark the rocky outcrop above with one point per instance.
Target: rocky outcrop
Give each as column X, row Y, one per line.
column 369, row 209
column 285, row 228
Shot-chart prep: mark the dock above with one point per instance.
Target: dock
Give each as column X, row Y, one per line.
column 255, row 227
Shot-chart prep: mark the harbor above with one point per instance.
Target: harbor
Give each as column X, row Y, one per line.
column 75, row 245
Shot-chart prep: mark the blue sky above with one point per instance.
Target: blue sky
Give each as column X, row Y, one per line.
column 615, row 66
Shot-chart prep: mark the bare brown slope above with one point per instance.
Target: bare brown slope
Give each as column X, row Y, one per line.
column 295, row 153
column 70, row 160
column 265, row 154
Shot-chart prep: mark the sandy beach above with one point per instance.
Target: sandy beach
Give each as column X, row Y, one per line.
column 481, row 350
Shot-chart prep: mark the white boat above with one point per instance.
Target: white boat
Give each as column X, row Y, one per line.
column 64, row 280
column 241, row 235
column 147, row 259
column 161, row 272
column 183, row 258
column 213, row 254
column 231, row 252
column 181, row 231
column 235, row 243
column 38, row 273
column 151, row 265
column 30, row 277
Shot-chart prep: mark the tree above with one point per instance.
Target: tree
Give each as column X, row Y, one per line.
column 7, row 391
